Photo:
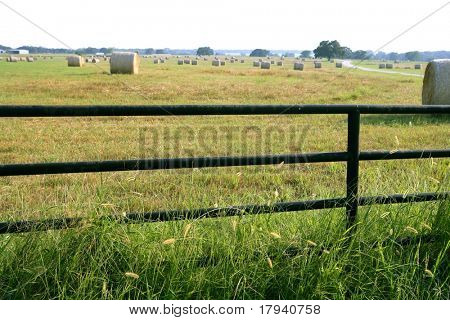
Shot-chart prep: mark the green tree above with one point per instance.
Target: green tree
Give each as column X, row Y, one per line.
column 327, row 49
column 412, row 56
column 360, row 55
column 205, row 51
column 306, row 54
column 260, row 53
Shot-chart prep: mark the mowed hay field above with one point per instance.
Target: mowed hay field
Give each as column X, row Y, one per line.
column 276, row 256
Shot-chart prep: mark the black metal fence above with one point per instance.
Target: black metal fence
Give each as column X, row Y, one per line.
column 352, row 157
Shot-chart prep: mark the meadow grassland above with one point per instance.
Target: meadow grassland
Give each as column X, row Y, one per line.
column 276, row 256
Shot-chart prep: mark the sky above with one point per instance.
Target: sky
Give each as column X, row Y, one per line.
column 226, row 24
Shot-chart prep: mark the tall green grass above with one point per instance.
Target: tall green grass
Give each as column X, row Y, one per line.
column 278, row 256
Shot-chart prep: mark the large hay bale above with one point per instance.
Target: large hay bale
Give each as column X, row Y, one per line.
column 389, row 66
column 338, row 64
column 155, row 61
column 194, row 62
column 216, row 63
column 30, row 59
column 222, row 63
column 436, row 83
column 265, row 65
column 180, row 62
column 13, row 59
column 317, row 65
column 298, row 66
column 256, row 64
column 418, row 66
column 23, row 59
column 74, row 61
column 187, row 61
column 280, row 63
column 382, row 66
column 124, row 63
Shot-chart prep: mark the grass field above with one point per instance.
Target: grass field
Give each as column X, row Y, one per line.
column 276, row 256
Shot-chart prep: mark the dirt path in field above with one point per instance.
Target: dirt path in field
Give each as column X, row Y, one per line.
column 348, row 64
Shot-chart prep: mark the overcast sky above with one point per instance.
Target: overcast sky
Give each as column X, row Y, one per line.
column 226, row 24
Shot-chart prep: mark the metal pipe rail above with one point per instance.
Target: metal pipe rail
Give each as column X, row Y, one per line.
column 352, row 156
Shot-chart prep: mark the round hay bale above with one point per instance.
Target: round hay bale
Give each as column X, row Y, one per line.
column 280, row 63
column 272, row 62
column 256, row 64
column 194, row 62
column 265, row 65
column 317, row 65
column 180, row 62
column 22, row 59
column 74, row 61
column 13, row 59
column 332, row 61
column 436, row 83
column 418, row 66
column 382, row 66
column 95, row 60
column 339, row 65
column 242, row 61
column 187, row 61
column 30, row 59
column 298, row 66
column 162, row 61
column 156, row 61
column 216, row 63
column 389, row 66
column 124, row 63
column 222, row 63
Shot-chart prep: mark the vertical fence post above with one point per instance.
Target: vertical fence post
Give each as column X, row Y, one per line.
column 352, row 167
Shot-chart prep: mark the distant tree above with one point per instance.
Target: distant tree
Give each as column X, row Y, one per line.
column 360, row 55
column 412, row 56
column 344, row 53
column 393, row 56
column 306, row 54
column 205, row 51
column 149, row 51
column 160, row 51
column 327, row 49
column 260, row 53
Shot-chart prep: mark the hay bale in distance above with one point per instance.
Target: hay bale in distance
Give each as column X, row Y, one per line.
column 222, row 63
column 155, row 61
column 299, row 66
column 338, row 64
column 187, row 61
column 30, row 59
column 124, row 63
column 389, row 66
column 317, row 65
column 256, row 64
column 418, row 66
column 265, row 65
column 280, row 63
column 242, row 61
column 436, row 83
column 194, row 62
column 216, row 63
column 74, row 61
column 180, row 62
column 382, row 66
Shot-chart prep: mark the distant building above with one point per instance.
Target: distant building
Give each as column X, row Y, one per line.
column 17, row 51
column 100, row 54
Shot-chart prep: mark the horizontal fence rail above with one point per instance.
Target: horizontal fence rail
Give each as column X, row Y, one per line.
column 352, row 157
